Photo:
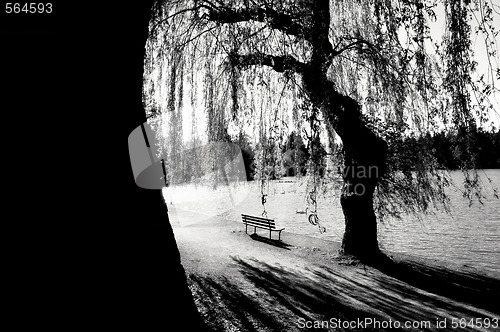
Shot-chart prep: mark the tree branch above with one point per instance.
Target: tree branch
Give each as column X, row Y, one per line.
column 278, row 63
column 356, row 42
column 180, row 12
column 274, row 19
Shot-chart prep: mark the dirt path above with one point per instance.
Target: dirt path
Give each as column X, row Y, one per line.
column 242, row 283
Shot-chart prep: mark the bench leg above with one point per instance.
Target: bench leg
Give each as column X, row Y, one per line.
column 246, row 228
column 270, row 235
column 254, row 230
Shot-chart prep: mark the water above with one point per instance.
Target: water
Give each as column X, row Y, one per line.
column 470, row 236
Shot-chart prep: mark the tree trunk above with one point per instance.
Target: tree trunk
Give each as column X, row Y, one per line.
column 364, row 163
column 150, row 281
column 360, row 235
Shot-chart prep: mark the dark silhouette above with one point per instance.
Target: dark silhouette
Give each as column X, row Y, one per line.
column 154, row 289
column 94, row 249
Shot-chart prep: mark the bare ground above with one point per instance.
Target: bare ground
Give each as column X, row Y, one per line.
column 248, row 283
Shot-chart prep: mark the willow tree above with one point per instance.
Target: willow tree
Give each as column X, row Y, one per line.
column 366, row 72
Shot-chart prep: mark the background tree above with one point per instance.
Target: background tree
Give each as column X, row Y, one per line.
column 366, row 72
column 248, row 154
column 295, row 155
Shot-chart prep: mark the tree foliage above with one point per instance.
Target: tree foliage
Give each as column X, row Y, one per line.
column 242, row 64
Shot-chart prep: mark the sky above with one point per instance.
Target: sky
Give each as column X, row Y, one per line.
column 438, row 30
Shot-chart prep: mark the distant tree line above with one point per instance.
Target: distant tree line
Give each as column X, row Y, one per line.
column 289, row 158
column 293, row 156
column 446, row 147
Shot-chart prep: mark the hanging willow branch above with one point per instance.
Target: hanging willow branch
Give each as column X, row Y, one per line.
column 236, row 60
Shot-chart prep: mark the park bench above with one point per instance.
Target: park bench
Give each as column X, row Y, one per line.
column 259, row 222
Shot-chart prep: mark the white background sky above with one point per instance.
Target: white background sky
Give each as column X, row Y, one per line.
column 480, row 54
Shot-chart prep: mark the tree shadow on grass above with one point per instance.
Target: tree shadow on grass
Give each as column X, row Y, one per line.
column 469, row 287
column 270, row 298
column 275, row 298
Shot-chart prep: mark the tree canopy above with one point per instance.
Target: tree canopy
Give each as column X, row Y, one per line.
column 252, row 66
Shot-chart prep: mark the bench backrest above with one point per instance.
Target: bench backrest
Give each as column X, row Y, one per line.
column 258, row 221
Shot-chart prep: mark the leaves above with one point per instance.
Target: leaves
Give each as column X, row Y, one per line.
column 382, row 55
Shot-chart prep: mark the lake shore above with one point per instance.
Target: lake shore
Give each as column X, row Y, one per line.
column 469, row 236
column 248, row 283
